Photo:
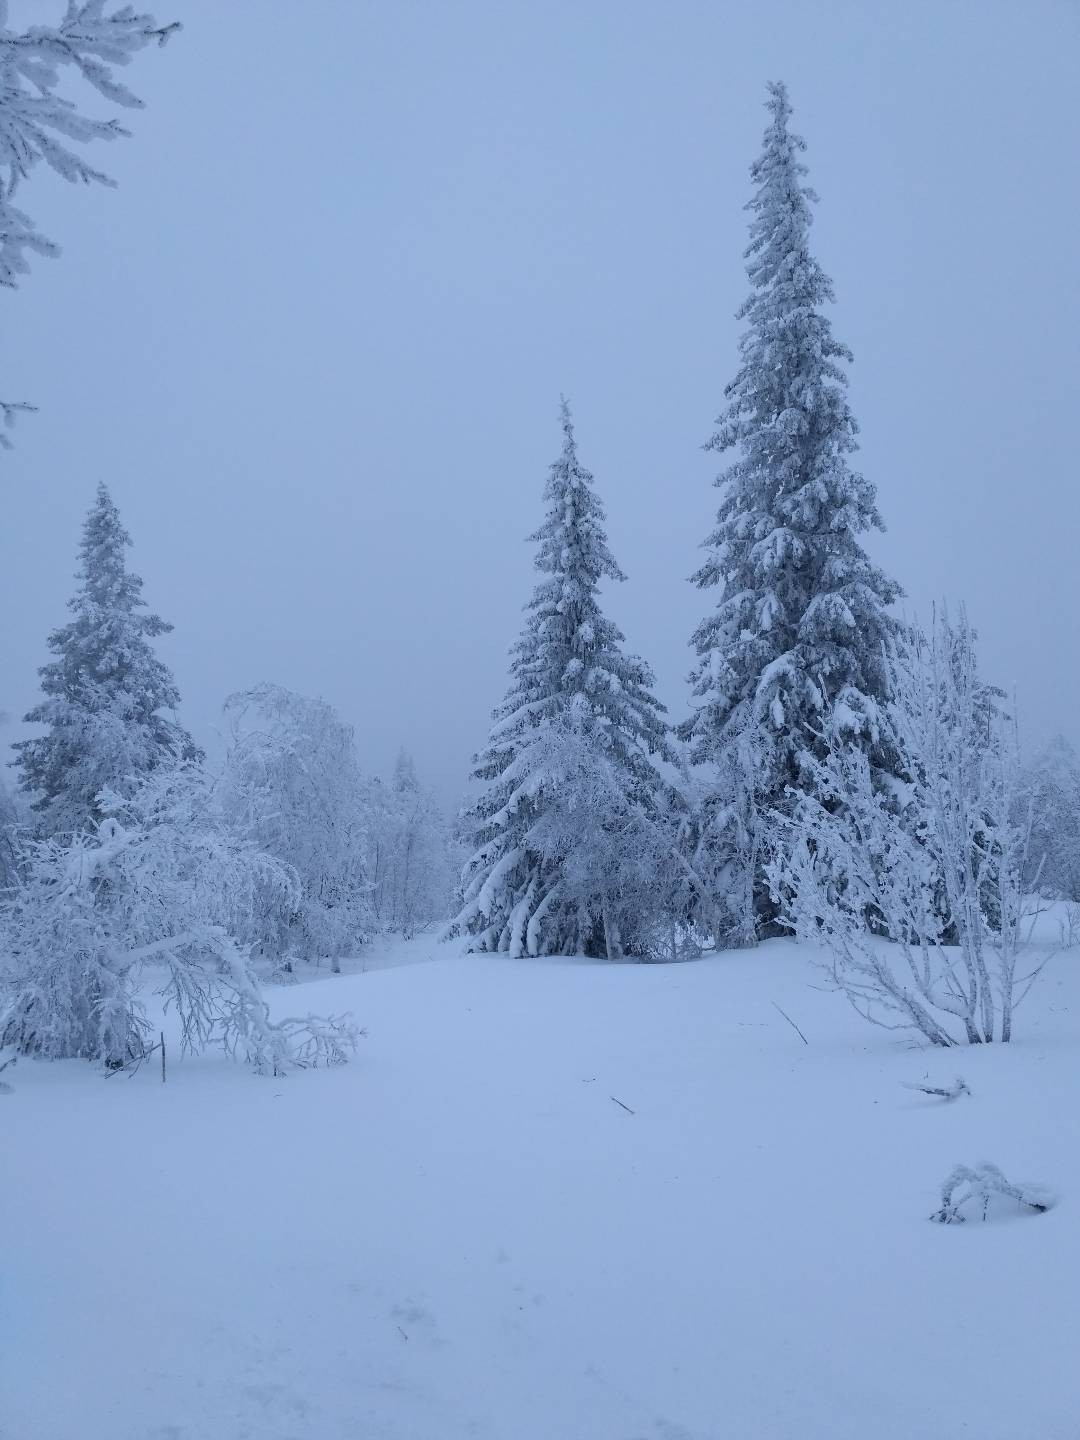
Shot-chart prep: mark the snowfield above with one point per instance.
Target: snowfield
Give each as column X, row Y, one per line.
column 462, row 1234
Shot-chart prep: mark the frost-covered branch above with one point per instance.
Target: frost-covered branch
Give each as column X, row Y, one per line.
column 39, row 124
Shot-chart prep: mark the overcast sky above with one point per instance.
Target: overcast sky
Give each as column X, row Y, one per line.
column 316, row 340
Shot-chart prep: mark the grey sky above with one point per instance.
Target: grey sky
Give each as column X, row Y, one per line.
column 315, row 343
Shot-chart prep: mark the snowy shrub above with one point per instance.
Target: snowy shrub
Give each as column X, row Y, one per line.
column 158, row 894
column 977, row 1190
column 935, row 861
column 292, row 785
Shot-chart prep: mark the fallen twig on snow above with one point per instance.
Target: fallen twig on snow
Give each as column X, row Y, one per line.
column 947, row 1092
column 625, row 1107
column 791, row 1022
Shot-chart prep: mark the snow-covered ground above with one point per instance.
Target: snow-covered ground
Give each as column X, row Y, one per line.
column 462, row 1234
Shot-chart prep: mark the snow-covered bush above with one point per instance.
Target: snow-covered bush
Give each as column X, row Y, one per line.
column 411, row 854
column 935, row 861
column 977, row 1190
column 292, row 785
column 158, row 894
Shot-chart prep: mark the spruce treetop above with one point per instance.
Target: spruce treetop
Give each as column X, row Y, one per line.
column 105, row 643
column 569, row 652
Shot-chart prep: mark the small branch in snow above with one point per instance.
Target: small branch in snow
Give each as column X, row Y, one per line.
column 965, row 1185
column 791, row 1022
column 625, row 1107
column 947, row 1092
column 402, row 1333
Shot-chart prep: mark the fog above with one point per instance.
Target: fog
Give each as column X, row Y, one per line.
column 315, row 341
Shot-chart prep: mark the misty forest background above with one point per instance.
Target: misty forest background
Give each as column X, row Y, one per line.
column 602, row 1085
column 840, row 771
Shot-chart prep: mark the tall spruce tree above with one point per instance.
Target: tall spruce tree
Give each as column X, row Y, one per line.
column 795, row 644
column 569, row 780
column 105, row 691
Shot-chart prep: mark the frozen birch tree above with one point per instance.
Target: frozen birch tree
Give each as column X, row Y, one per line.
column 292, row 785
column 574, row 699
column 107, row 694
column 159, row 893
column 9, row 840
column 410, row 853
column 724, row 841
column 938, row 864
column 38, row 124
column 801, row 618
column 1050, row 790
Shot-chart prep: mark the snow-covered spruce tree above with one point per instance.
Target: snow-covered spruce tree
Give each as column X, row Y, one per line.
column 614, row 849
column 292, row 784
column 106, row 692
column 572, row 683
column 802, row 618
column 160, row 893
column 37, row 123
